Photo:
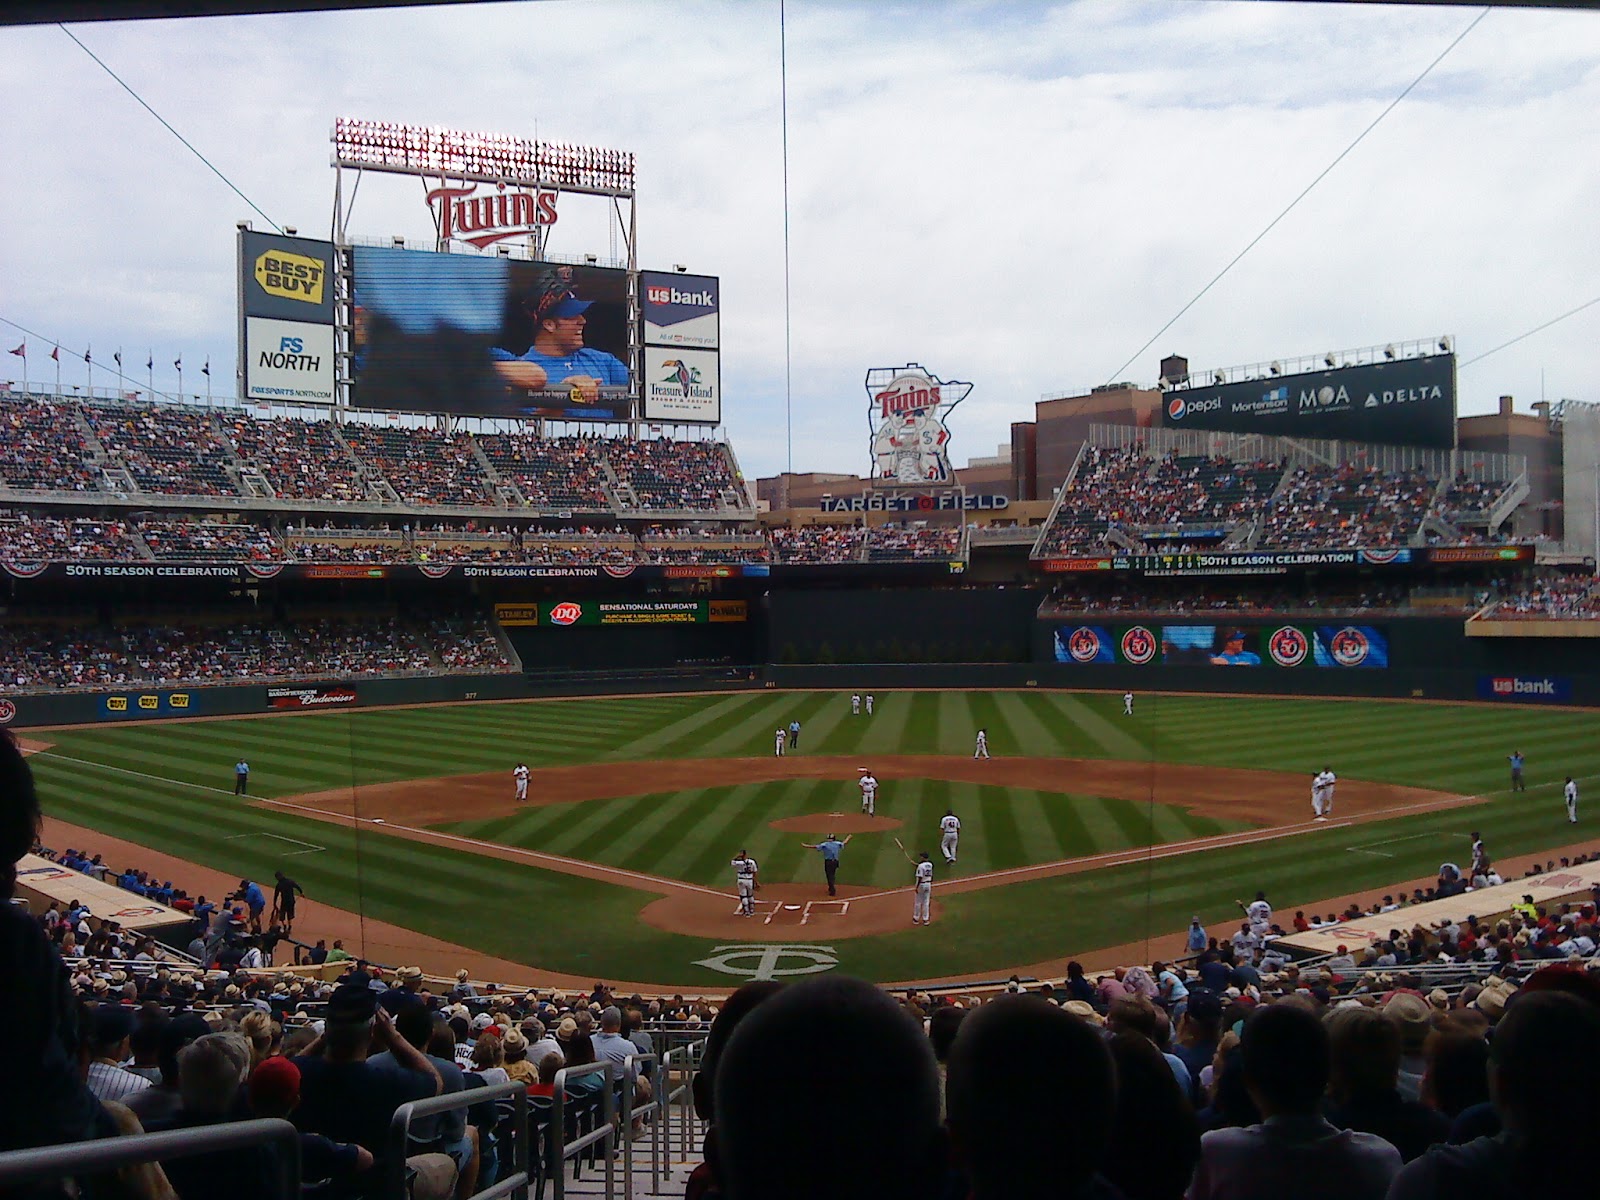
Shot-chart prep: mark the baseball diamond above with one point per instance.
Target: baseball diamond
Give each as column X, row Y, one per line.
column 637, row 804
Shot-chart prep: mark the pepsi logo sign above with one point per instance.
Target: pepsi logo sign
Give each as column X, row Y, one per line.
column 566, row 613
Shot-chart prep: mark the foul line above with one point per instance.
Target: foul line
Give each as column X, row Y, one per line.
column 576, row 866
column 310, row 847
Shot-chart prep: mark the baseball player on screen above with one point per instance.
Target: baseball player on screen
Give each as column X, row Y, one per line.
column 558, row 358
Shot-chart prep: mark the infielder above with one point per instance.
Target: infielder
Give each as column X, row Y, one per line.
column 1571, row 793
column 869, row 794
column 922, row 899
column 949, row 834
column 855, row 705
column 1127, row 704
column 869, row 704
column 781, row 738
column 746, row 877
column 520, row 775
column 981, row 750
column 1328, row 780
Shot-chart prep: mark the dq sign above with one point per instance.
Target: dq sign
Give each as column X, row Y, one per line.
column 906, row 409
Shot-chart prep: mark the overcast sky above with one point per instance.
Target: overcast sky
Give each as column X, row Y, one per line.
column 1009, row 194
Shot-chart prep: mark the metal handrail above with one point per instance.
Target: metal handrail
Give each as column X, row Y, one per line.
column 514, row 1184
column 107, row 1154
column 630, row 1080
column 559, row 1149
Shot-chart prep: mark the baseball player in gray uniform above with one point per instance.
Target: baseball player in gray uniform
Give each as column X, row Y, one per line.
column 745, row 874
column 922, row 901
column 949, row 834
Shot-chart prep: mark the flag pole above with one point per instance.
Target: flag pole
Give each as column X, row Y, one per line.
column 88, row 371
column 150, row 366
column 57, row 357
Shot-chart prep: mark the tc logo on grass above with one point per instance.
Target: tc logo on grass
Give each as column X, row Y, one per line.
column 765, row 961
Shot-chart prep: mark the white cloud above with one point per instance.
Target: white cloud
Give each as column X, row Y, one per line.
column 1015, row 196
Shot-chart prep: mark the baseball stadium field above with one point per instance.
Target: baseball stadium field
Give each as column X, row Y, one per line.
column 1088, row 830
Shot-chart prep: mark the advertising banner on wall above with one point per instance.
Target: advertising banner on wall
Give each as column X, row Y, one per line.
column 123, row 706
column 321, row 695
column 289, row 362
column 1242, row 645
column 682, row 385
column 1526, row 689
column 1411, row 402
column 680, row 310
column 489, row 336
column 567, row 613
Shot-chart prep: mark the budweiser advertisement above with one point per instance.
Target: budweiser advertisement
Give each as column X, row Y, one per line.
column 311, row 696
column 489, row 336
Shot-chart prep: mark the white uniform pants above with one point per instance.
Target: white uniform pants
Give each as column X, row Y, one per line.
column 948, row 845
column 747, row 893
column 982, row 750
column 869, row 803
column 522, row 789
column 1316, row 802
column 777, row 747
column 1572, row 811
column 922, row 903
column 1327, row 802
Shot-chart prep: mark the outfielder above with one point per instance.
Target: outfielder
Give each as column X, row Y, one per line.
column 746, row 876
column 1127, row 704
column 869, row 704
column 869, row 794
column 1571, row 793
column 520, row 774
column 981, row 750
column 949, row 834
column 922, row 901
column 855, row 705
column 781, row 739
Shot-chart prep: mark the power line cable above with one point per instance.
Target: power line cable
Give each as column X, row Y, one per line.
column 788, row 335
column 167, row 125
column 1321, row 175
column 1571, row 312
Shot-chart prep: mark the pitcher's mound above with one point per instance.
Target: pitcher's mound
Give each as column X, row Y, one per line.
column 826, row 823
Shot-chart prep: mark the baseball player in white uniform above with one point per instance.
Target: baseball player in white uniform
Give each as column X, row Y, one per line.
column 1328, row 780
column 1570, row 791
column 1316, row 797
column 981, row 750
column 745, row 873
column 949, row 834
column 520, row 774
column 869, row 794
column 869, row 704
column 1259, row 913
column 855, row 705
column 922, row 902
column 1127, row 704
column 781, row 737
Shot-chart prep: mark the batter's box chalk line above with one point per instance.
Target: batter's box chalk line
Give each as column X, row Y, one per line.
column 822, row 909
column 306, row 847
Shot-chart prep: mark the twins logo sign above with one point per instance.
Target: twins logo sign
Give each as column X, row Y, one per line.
column 1083, row 644
column 1139, row 645
column 1288, row 646
column 1349, row 647
column 906, row 411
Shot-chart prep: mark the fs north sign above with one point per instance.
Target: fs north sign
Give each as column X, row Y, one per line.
column 290, row 362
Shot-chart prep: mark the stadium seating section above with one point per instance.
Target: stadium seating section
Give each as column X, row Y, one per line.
column 66, row 653
column 1122, row 500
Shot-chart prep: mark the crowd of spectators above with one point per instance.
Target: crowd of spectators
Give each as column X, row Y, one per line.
column 1347, row 506
column 1561, row 597
column 817, row 543
column 422, row 466
column 301, row 460
column 42, row 448
column 44, row 654
column 893, row 543
column 209, row 541
column 1468, row 501
column 166, row 448
column 664, row 474
column 565, row 472
column 78, row 539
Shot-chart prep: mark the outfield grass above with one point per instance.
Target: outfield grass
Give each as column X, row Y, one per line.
column 166, row 786
column 691, row 835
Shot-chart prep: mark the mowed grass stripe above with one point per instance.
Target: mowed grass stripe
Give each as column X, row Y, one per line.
column 669, row 740
column 1004, row 838
column 1034, row 831
column 1024, row 714
column 957, row 726
column 709, row 823
column 884, row 732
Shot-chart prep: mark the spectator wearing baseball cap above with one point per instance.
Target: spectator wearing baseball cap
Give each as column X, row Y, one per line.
column 274, row 1091
column 348, row 1099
